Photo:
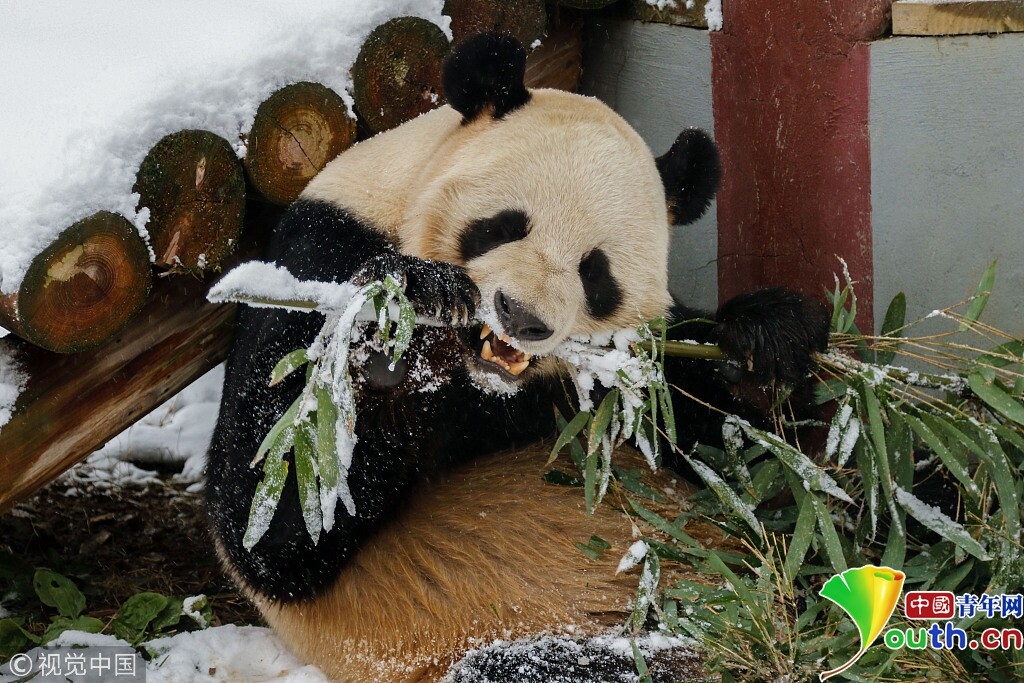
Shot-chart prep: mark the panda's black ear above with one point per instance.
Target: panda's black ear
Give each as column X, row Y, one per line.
column 486, row 72
column 689, row 171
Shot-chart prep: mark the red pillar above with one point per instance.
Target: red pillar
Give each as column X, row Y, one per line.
column 791, row 117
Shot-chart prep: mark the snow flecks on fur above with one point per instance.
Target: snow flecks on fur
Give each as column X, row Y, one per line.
column 75, row 142
column 12, row 383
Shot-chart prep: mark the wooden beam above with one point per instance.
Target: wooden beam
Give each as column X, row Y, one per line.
column 956, row 17
column 74, row 403
column 679, row 13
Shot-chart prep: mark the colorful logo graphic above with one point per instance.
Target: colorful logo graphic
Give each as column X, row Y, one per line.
column 929, row 605
column 869, row 594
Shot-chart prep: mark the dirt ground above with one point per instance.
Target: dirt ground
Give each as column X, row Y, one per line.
column 116, row 543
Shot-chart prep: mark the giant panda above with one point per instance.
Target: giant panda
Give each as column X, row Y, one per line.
column 547, row 210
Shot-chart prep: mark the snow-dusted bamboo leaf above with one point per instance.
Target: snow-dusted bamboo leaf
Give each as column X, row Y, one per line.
column 590, row 482
column 287, row 365
column 636, row 552
column 937, row 521
column 602, row 420
column 327, row 454
column 268, row 491
column 305, row 478
column 802, row 466
column 726, row 494
column 646, row 591
column 732, row 438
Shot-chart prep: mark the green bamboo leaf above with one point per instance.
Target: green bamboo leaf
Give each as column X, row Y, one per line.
column 1010, row 353
column 327, row 441
column 803, row 467
column 998, row 468
column 590, row 481
column 800, row 543
column 643, row 673
column 268, row 491
column 937, row 521
column 662, row 524
column 602, row 418
column 569, row 432
column 305, row 477
column 996, row 398
column 980, row 298
column 726, row 494
column 287, row 365
column 833, row 547
column 405, row 326
column 892, row 326
column 287, row 420
column 956, row 465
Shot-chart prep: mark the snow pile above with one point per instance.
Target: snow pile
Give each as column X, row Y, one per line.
column 179, row 431
column 12, row 383
column 222, row 654
column 139, row 71
column 713, row 15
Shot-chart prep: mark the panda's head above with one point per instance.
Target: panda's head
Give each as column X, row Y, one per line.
column 554, row 205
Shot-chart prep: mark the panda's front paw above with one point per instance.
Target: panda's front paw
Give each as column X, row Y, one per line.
column 773, row 333
column 436, row 289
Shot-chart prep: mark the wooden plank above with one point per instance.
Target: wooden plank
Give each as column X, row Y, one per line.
column 677, row 13
column 956, row 17
column 74, row 403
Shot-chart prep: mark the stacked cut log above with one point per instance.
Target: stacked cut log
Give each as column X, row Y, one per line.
column 100, row 349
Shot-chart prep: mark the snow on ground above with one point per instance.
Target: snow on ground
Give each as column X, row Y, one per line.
column 222, row 654
column 179, row 431
column 12, row 383
column 99, row 83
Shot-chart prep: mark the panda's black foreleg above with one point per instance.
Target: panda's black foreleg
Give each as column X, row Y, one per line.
column 770, row 336
column 314, row 241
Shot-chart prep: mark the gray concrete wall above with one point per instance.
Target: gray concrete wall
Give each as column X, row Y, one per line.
column 658, row 77
column 947, row 158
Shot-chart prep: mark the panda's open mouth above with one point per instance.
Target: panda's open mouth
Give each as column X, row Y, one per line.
column 498, row 352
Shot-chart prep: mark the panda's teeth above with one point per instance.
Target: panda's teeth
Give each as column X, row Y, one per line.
column 504, row 338
column 486, row 352
column 517, row 368
column 485, row 332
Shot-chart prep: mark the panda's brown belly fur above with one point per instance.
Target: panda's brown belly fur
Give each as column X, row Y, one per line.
column 487, row 553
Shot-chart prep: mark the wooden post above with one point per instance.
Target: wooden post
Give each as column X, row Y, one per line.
column 82, row 288
column 524, row 19
column 558, row 62
column 397, row 74
column 72, row 403
column 297, row 130
column 192, row 184
column 790, row 94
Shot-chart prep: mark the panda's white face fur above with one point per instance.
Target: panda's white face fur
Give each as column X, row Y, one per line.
column 522, row 202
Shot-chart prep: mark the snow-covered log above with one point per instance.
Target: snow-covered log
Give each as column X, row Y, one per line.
column 82, row 288
column 192, row 183
column 524, row 19
column 397, row 75
column 74, row 403
column 297, row 130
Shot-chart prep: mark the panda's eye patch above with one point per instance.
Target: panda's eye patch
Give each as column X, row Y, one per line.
column 485, row 234
column 599, row 286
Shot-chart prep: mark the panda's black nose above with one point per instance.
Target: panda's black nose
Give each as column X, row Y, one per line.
column 519, row 322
